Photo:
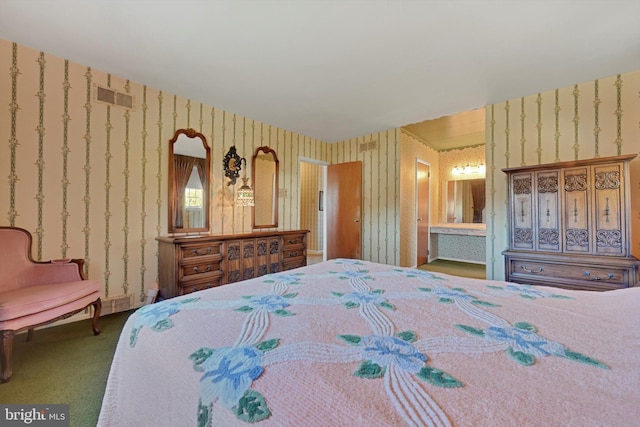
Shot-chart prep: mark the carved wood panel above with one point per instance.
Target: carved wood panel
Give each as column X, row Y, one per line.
column 548, row 211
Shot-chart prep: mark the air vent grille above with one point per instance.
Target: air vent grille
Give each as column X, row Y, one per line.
column 368, row 146
column 113, row 97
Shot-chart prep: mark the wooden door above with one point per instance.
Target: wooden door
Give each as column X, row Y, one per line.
column 343, row 210
column 422, row 211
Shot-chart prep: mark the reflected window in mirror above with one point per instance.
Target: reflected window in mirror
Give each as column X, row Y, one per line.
column 264, row 176
column 466, row 201
column 189, row 160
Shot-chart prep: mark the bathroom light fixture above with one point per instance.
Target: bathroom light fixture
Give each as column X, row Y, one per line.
column 469, row 170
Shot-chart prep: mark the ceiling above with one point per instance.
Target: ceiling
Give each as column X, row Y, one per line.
column 335, row 70
column 460, row 130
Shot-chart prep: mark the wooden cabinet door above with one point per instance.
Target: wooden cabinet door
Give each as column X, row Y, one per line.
column 577, row 221
column 608, row 218
column 233, row 249
column 547, row 219
column 241, row 256
column 522, row 210
column 248, row 258
column 267, row 255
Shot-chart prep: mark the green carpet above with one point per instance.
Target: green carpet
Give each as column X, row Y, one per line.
column 65, row 364
column 455, row 268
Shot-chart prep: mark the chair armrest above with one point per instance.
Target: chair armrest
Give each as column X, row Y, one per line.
column 80, row 263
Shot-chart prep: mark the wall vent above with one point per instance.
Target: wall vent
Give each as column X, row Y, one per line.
column 368, row 146
column 110, row 96
column 117, row 304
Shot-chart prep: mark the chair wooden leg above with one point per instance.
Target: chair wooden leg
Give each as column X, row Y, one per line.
column 5, row 355
column 97, row 306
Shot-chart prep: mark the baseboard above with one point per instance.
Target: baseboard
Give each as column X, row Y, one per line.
column 468, row 261
column 117, row 304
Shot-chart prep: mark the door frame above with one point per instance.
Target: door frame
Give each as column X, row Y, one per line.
column 323, row 165
column 415, row 176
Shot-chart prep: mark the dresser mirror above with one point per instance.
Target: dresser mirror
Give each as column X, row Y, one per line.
column 264, row 178
column 466, row 201
column 189, row 182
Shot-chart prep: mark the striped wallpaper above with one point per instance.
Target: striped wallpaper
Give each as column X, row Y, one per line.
column 90, row 180
column 380, row 193
column 594, row 119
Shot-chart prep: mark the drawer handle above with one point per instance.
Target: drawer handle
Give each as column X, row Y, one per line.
column 590, row 277
column 540, row 270
column 195, row 269
column 292, row 241
column 208, row 251
column 293, row 254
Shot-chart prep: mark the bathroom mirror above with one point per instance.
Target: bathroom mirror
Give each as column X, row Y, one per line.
column 264, row 178
column 466, row 201
column 189, row 182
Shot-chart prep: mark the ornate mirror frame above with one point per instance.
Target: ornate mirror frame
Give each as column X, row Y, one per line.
column 176, row 219
column 232, row 164
column 264, row 179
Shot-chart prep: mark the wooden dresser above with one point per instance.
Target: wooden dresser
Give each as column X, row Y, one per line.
column 193, row 263
column 570, row 225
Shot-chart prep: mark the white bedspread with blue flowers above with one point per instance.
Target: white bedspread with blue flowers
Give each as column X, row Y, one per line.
column 354, row 343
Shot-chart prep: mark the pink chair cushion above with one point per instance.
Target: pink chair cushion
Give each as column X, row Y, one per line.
column 31, row 300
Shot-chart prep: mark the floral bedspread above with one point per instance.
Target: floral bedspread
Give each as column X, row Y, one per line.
column 356, row 343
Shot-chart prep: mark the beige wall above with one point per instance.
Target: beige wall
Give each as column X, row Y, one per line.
column 311, row 218
column 90, row 181
column 594, row 119
column 411, row 151
column 380, row 193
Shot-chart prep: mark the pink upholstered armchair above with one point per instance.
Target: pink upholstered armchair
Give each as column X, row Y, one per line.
column 35, row 293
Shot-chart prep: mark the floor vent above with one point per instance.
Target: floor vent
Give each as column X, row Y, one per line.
column 117, row 304
column 368, row 146
column 113, row 97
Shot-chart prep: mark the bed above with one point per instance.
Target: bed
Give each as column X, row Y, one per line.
column 355, row 343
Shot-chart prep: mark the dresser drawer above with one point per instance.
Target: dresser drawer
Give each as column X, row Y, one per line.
column 572, row 276
column 294, row 241
column 192, row 286
column 289, row 254
column 197, row 250
column 295, row 263
column 190, row 263
column 198, row 266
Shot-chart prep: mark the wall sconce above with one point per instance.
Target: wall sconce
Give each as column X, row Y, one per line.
column 245, row 194
column 469, row 170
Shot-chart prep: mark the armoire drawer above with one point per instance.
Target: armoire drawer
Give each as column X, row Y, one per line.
column 566, row 275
